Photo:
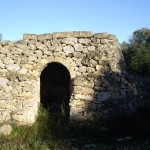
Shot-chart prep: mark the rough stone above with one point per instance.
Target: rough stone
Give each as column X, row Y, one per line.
column 13, row 67
column 43, row 37
column 8, row 60
column 69, row 41
column 101, row 35
column 2, row 65
column 30, row 37
column 84, row 97
column 78, row 47
column 68, row 49
column 91, row 48
column 82, row 69
column 41, row 46
column 85, row 41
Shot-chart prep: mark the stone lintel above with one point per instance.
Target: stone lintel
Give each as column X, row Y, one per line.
column 101, row 35
column 30, row 37
column 46, row 36
column 72, row 34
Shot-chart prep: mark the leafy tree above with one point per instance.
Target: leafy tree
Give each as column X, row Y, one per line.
column 137, row 52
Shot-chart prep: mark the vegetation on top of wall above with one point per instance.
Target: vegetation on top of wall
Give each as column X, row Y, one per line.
column 137, row 52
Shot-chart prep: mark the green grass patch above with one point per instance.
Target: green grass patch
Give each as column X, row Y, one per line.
column 55, row 133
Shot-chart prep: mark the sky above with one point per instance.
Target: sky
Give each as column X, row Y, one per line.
column 118, row 17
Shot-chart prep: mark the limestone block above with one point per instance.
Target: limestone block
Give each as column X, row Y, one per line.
column 101, row 35
column 91, row 48
column 99, row 68
column 31, row 46
column 72, row 34
column 23, row 71
column 43, row 37
column 4, row 105
column 3, row 81
column 93, row 63
column 7, row 88
column 78, row 54
column 68, row 49
column 78, row 47
column 82, row 69
column 47, row 53
column 83, row 90
column 8, row 60
column 69, row 41
column 75, row 111
column 41, row 46
column 32, row 57
column 83, row 97
column 77, row 103
column 24, row 119
column 5, row 129
column 47, row 43
column 19, row 105
column 78, row 62
column 27, row 95
column 27, row 53
column 28, row 103
column 103, row 96
column 61, row 34
column 5, row 50
column 103, row 41
column 59, row 48
column 13, row 67
column 79, row 81
column 90, row 70
column 90, row 84
column 82, row 34
column 16, row 50
column 85, row 41
column 30, row 37
column 27, row 115
column 85, row 50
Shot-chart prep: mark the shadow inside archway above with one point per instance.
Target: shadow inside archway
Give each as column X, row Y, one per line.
column 55, row 90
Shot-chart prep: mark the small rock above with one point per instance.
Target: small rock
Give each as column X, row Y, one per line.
column 68, row 49
column 82, row 69
column 5, row 129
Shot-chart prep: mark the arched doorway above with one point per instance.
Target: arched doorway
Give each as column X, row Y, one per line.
column 55, row 89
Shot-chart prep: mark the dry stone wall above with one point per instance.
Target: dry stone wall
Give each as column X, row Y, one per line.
column 96, row 67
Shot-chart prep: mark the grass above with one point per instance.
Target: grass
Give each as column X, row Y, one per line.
column 53, row 133
column 40, row 136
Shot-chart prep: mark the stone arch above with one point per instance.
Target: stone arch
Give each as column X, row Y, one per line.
column 55, row 88
column 67, row 62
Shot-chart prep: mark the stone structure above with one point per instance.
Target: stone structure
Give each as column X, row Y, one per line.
column 93, row 64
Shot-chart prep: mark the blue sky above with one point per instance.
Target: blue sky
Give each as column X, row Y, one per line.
column 119, row 17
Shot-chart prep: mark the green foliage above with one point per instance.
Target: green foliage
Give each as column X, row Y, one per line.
column 137, row 52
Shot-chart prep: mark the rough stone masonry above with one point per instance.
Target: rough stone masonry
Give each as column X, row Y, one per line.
column 94, row 61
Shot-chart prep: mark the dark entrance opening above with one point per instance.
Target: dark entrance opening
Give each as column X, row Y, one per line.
column 55, row 89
